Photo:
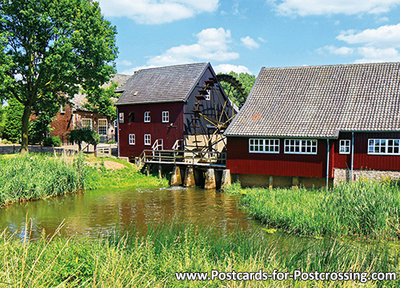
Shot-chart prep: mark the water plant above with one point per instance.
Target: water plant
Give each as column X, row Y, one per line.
column 365, row 208
column 152, row 259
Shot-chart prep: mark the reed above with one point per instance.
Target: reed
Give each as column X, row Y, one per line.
column 366, row 209
column 151, row 260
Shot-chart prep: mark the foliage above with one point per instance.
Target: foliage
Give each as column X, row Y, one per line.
column 51, row 50
column 151, row 260
column 100, row 100
column 12, row 127
column 362, row 209
column 83, row 135
column 2, row 119
column 25, row 177
column 52, row 141
column 247, row 80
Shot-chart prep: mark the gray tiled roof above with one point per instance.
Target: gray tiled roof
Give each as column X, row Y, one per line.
column 163, row 84
column 79, row 100
column 320, row 101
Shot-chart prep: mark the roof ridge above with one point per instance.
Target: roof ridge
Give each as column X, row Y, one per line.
column 332, row 65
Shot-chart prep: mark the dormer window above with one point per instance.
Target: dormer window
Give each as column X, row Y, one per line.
column 147, row 116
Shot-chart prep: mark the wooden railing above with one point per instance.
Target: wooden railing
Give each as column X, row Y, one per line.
column 182, row 157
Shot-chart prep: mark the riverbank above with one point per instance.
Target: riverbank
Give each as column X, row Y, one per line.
column 36, row 176
column 151, row 260
column 363, row 209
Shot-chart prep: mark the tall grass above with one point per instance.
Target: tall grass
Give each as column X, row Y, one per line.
column 26, row 177
column 363, row 209
column 151, row 260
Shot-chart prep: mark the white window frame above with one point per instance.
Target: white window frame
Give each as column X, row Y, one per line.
column 299, row 144
column 344, row 146
column 98, row 126
column 90, row 121
column 264, row 145
column 121, row 117
column 147, row 139
column 62, row 109
column 131, row 139
column 165, row 116
column 383, row 146
column 146, row 117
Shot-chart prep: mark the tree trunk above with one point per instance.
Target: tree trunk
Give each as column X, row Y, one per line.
column 25, row 129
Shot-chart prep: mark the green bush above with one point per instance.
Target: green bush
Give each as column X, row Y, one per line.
column 83, row 135
column 52, row 141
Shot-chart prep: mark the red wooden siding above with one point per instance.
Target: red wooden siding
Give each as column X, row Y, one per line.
column 240, row 161
column 362, row 160
column 169, row 133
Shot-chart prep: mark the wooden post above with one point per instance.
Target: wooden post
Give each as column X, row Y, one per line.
column 210, row 182
column 189, row 177
column 159, row 171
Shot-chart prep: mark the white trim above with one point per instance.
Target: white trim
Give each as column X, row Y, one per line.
column 148, row 142
column 90, row 121
column 146, row 117
column 260, row 145
column 346, row 143
column 131, row 139
column 299, row 144
column 385, row 146
column 165, row 116
column 62, row 109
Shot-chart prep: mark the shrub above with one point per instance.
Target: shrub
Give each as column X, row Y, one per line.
column 84, row 135
column 52, row 141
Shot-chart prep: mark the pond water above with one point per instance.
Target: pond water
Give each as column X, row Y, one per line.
column 103, row 212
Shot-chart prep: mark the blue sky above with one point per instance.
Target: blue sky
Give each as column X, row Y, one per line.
column 244, row 36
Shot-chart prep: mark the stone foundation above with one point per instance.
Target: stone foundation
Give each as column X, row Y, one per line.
column 344, row 174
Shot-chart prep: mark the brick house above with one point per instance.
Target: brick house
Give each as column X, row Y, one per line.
column 76, row 116
column 314, row 125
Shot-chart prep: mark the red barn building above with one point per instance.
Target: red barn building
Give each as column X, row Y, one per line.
column 315, row 125
column 161, row 107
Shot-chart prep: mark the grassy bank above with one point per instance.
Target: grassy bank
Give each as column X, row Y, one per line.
column 152, row 260
column 35, row 176
column 366, row 209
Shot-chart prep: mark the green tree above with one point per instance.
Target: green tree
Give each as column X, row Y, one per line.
column 100, row 100
column 247, row 80
column 12, row 125
column 50, row 50
column 2, row 118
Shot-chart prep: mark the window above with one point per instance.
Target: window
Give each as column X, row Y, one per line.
column 131, row 117
column 87, row 123
column 62, row 109
column 258, row 145
column 300, row 146
column 103, row 127
column 208, row 95
column 131, row 139
column 147, row 139
column 344, row 147
column 121, row 117
column 147, row 116
column 384, row 146
column 165, row 116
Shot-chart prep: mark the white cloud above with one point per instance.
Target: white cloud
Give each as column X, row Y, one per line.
column 212, row 44
column 373, row 55
column 125, row 63
column 371, row 45
column 327, row 7
column 384, row 36
column 157, row 11
column 226, row 68
column 249, row 42
column 342, row 51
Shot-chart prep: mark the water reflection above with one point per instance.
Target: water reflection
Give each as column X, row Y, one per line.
column 103, row 212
